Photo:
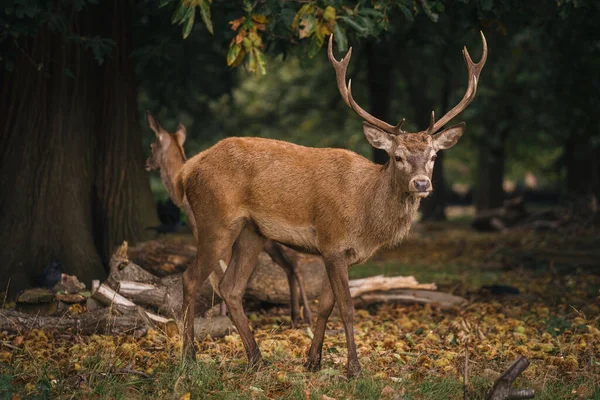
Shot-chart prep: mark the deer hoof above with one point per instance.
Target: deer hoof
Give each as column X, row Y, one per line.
column 258, row 364
column 354, row 370
column 313, row 366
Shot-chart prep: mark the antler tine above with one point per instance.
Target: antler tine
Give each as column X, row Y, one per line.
column 346, row 92
column 473, row 69
column 391, row 129
column 340, row 69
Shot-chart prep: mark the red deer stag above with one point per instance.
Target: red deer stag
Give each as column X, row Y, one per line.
column 168, row 156
column 331, row 202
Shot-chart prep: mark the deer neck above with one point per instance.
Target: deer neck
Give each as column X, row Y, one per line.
column 390, row 209
column 168, row 171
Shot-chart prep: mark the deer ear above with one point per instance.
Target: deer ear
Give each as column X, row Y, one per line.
column 153, row 123
column 378, row 138
column 180, row 134
column 448, row 137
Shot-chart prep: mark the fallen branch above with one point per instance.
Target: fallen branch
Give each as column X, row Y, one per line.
column 381, row 283
column 444, row 300
column 503, row 390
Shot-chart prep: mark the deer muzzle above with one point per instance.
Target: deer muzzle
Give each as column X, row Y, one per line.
column 420, row 186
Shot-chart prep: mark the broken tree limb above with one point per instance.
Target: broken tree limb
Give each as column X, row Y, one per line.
column 444, row 300
column 503, row 389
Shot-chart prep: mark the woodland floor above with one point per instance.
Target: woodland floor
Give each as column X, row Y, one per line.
column 418, row 351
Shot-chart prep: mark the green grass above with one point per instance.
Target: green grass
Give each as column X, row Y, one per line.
column 210, row 380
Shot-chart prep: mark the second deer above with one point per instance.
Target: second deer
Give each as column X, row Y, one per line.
column 168, row 156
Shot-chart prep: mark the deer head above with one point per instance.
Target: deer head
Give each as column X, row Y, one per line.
column 167, row 148
column 412, row 155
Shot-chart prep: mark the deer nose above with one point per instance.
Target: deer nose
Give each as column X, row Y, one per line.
column 421, row 185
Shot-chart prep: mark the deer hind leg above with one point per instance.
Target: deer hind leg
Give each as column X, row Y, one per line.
column 211, row 249
column 244, row 258
column 275, row 251
column 326, row 302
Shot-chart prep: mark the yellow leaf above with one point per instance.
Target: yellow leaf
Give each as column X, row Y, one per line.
column 186, row 396
column 259, row 19
column 235, row 24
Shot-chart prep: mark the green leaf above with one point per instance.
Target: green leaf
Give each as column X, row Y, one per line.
column 251, row 63
column 178, row 14
column 316, row 42
column 205, row 13
column 406, row 11
column 233, row 53
column 340, row 38
column 354, row 24
column 189, row 23
column 260, row 61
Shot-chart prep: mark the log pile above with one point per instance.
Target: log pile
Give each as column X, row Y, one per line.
column 134, row 299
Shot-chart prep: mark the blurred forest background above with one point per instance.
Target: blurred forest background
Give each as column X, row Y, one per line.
column 78, row 74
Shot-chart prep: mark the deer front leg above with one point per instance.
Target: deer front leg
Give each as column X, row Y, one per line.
column 337, row 270
column 326, row 302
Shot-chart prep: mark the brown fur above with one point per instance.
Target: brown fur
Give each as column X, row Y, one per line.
column 168, row 156
column 328, row 201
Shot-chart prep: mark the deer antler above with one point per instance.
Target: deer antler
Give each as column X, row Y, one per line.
column 346, row 92
column 473, row 70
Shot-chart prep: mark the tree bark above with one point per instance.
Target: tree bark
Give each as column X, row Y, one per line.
column 379, row 80
column 70, row 153
column 490, row 174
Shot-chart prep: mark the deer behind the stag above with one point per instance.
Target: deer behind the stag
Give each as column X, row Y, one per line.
column 168, row 156
column 331, row 202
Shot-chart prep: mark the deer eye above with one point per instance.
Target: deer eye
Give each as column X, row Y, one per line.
column 398, row 158
column 433, row 158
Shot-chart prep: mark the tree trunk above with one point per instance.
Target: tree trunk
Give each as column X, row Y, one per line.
column 490, row 174
column 581, row 175
column 70, row 153
column 379, row 80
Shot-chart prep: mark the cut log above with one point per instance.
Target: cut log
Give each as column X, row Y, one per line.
column 163, row 257
column 107, row 296
column 121, row 269
column 442, row 299
column 101, row 321
column 144, row 294
column 268, row 283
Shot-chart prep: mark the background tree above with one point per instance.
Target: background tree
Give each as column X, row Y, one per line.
column 72, row 160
